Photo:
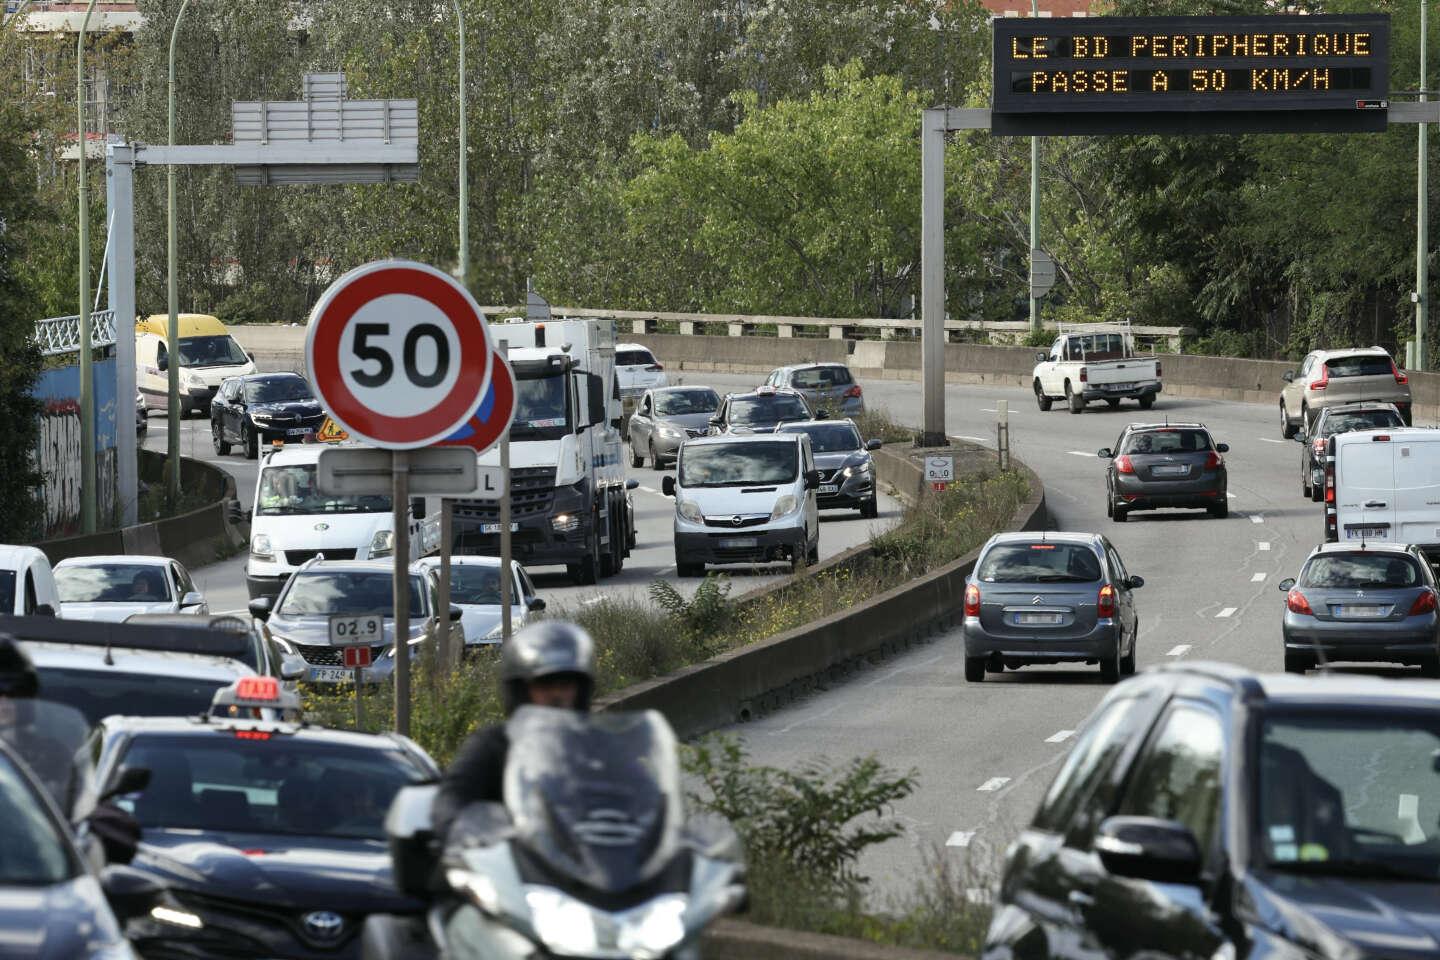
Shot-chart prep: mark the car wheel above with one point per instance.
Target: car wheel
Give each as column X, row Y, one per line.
column 1286, row 429
column 1119, row 514
column 1077, row 403
column 1304, row 418
column 813, row 557
column 1317, row 492
column 1305, row 488
column 1109, row 503
column 1430, row 668
column 1041, row 401
column 1147, row 401
column 636, row 460
column 1110, row 668
column 1296, row 663
column 585, row 573
column 217, row 437
column 1113, row 402
column 1220, row 510
column 655, row 457
column 1127, row 662
column 870, row 509
column 252, row 444
column 975, row 669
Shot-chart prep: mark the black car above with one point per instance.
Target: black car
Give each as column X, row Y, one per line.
column 269, row 835
column 847, row 471
column 1159, row 466
column 759, row 412
column 1205, row 811
column 257, row 409
column 1315, row 444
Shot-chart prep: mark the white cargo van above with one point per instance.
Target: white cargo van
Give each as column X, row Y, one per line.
column 27, row 584
column 1384, row 485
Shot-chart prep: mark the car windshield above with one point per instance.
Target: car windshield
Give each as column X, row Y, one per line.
column 1352, row 570
column 292, row 490
column 541, row 410
column 99, row 693
column 112, row 583
column 738, row 464
column 829, row 437
column 677, row 403
column 1039, row 563
column 35, row 852
column 1357, row 794
column 214, row 351
column 280, row 785
column 633, row 358
column 474, row 583
column 772, row 409
column 1360, row 365
column 1360, row 420
column 819, row 378
column 317, row 593
column 7, row 591
column 1167, row 440
column 277, row 389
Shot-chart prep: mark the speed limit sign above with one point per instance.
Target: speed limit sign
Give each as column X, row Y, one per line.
column 398, row 353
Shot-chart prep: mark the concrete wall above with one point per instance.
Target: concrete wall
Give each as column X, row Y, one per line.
column 57, row 453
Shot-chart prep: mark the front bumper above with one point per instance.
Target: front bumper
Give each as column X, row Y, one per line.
column 1106, row 391
column 291, row 431
column 1099, row 644
column 533, row 540
column 667, row 447
column 265, row 585
column 1206, row 490
column 851, row 491
column 1412, row 640
column 741, row 545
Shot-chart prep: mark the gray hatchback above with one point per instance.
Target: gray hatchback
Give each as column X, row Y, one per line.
column 1370, row 603
column 1050, row 598
column 1157, row 466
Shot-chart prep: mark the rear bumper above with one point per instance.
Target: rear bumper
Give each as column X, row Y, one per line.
column 1100, row 643
column 1203, row 491
column 1101, row 391
column 1412, row 640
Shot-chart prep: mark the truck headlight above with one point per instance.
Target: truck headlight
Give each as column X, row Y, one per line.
column 382, row 544
column 785, row 505
column 261, row 549
column 564, row 522
column 690, row 510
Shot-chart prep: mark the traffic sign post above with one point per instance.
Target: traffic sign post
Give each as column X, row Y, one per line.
column 354, row 633
column 940, row 471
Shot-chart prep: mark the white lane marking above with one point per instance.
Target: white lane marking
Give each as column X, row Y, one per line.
column 1079, row 453
column 1060, row 736
column 661, row 573
column 960, row 838
column 1230, row 495
column 648, row 489
column 592, row 601
column 1269, row 440
column 1227, row 612
column 988, row 410
column 993, row 784
column 1179, row 650
column 1256, row 518
column 1264, row 544
column 978, row 896
column 973, row 439
column 1257, row 578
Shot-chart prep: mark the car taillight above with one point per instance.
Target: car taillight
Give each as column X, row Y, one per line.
column 1105, row 606
column 1425, row 603
column 1214, row 461
column 1324, row 380
column 1084, row 375
column 1329, row 483
column 1297, row 603
column 1399, row 377
column 972, row 600
column 655, row 368
column 854, row 391
column 1123, row 464
column 1157, row 369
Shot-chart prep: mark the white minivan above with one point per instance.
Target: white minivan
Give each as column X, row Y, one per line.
column 744, row 498
column 27, row 584
column 1384, row 485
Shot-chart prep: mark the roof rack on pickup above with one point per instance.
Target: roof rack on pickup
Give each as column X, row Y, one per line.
column 90, row 633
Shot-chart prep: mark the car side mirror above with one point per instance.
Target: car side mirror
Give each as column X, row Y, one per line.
column 1041, row 356
column 162, row 364
column 822, row 414
column 1288, row 376
column 1104, row 453
column 632, row 484
column 873, row 445
column 192, row 599
column 1286, row 585
column 1148, row 848
column 261, row 607
column 417, row 508
column 1222, row 447
column 667, row 485
column 130, row 780
column 292, row 667
column 455, row 613
column 535, row 604
column 595, row 399
column 812, row 479
column 131, row 893
column 1136, row 583
column 716, row 421
column 44, row 610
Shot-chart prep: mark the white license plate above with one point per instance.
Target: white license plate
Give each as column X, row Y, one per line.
column 1367, row 533
column 331, row 674
column 298, row 431
column 1119, row 386
column 495, row 527
column 1179, row 471
column 829, row 488
column 1030, row 619
column 738, row 543
column 1359, row 610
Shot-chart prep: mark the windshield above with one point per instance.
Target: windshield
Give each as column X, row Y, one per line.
column 1360, row 420
column 277, row 389
column 819, row 378
column 98, row 694
column 633, row 358
column 474, row 583
column 1039, row 563
column 680, row 402
column 280, row 785
column 323, row 592
column 1361, row 365
column 541, row 407
column 1353, row 570
column 1168, row 440
column 7, row 591
column 1354, row 795
column 112, row 583
column 772, row 409
column 214, row 351
column 596, row 796
column 293, row 490
column 738, row 464
column 50, row 738
column 36, row 853
column 829, row 437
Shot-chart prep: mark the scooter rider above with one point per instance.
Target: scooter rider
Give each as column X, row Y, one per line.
column 549, row 664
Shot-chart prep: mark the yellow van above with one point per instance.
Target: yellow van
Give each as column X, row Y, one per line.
column 208, row 354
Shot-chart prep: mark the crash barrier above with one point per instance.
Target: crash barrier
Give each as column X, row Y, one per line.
column 758, row 678
column 731, row 939
column 195, row 537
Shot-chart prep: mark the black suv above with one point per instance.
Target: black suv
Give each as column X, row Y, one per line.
column 1317, row 444
column 1205, row 811
column 761, row 411
column 252, row 411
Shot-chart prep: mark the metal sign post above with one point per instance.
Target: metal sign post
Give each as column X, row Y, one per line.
column 505, row 574
column 400, row 492
column 355, row 633
column 940, row 471
column 443, row 652
column 1002, row 433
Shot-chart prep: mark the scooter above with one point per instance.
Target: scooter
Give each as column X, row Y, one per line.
column 590, row 856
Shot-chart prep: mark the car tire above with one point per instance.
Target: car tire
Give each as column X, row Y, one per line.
column 975, row 669
column 1076, row 403
column 1109, row 503
column 252, row 444
column 1041, row 401
column 1147, row 401
column 1114, row 402
column 1431, row 667
column 655, row 457
column 636, row 460
column 1286, row 430
column 1296, row 663
column 1110, row 668
column 870, row 509
column 1119, row 514
column 217, row 437
column 609, row 557
column 812, row 558
column 586, row 572
column 1317, row 493
column 1220, row 510
column 1304, row 418
column 1127, row 662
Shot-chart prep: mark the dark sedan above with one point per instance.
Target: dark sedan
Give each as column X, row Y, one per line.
column 665, row 418
column 847, row 471
column 1371, row 415
column 1371, row 603
column 759, row 412
column 1050, row 598
column 253, row 411
column 1157, row 466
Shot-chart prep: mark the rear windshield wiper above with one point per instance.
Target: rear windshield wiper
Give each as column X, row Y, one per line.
column 1062, row 578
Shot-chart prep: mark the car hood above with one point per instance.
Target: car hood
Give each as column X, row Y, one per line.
column 61, row 921
column 728, row 501
column 214, row 376
column 479, row 619
column 316, row 873
column 844, row 458
column 299, row 408
column 315, row 631
column 1346, row 917
column 112, row 612
column 688, row 421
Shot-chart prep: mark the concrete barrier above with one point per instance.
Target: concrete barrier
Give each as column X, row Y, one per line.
column 731, row 939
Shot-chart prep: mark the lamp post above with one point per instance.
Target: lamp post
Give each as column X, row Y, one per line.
column 1422, row 222
column 87, row 372
column 172, row 332
column 1034, row 208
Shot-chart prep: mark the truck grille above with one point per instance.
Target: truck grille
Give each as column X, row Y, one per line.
column 297, row 557
column 531, row 491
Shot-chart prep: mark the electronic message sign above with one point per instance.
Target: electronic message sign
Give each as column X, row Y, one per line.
column 1278, row 74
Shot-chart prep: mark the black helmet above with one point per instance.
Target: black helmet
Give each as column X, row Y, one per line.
column 546, row 649
column 17, row 674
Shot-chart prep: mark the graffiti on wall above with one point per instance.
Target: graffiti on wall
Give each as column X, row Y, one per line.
column 57, row 454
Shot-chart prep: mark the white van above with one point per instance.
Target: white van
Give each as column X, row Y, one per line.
column 27, row 584
column 744, row 498
column 1384, row 485
column 208, row 355
column 292, row 521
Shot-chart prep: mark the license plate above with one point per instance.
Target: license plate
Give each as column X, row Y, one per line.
column 331, row 675
column 1030, row 619
column 495, row 527
column 299, row 431
column 1178, row 471
column 1119, row 386
column 829, row 488
column 738, row 543
column 1359, row 610
column 1366, row 533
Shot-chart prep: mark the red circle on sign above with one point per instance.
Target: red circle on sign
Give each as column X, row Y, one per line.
column 502, row 411
column 328, row 326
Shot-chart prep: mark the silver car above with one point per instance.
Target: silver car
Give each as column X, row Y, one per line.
column 667, row 417
column 825, row 386
column 1328, row 378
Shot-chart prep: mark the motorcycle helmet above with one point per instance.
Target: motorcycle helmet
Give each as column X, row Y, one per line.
column 546, row 649
column 17, row 674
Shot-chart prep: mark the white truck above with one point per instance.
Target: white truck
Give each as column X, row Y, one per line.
column 1095, row 361
column 569, row 497
column 1384, row 485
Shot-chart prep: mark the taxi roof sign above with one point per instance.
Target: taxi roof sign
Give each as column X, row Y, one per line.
column 255, row 692
column 330, row 432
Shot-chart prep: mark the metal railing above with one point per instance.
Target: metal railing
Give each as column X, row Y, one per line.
column 57, row 335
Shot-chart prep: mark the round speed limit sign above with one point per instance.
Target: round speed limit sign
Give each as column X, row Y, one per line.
column 398, row 353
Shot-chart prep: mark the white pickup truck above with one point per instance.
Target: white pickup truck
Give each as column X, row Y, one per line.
column 1095, row 362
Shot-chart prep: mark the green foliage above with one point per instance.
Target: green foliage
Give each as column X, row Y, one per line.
column 705, row 613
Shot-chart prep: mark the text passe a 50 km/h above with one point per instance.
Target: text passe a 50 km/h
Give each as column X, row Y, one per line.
column 1190, row 74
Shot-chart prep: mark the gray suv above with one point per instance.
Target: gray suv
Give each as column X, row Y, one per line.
column 1050, row 598
column 1327, row 378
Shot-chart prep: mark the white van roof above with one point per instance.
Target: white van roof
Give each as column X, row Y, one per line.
column 16, row 557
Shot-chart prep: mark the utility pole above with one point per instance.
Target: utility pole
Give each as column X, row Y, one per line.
column 87, row 367
column 1422, row 217
column 1034, row 209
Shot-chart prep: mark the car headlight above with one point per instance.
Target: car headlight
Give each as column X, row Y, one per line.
column 785, row 505
column 192, row 379
column 262, row 417
column 856, row 469
column 261, row 549
column 179, row 918
column 690, row 510
column 497, row 633
column 669, row 430
column 564, row 522
column 382, row 544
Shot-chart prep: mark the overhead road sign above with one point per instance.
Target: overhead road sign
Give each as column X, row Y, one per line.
column 1252, row 74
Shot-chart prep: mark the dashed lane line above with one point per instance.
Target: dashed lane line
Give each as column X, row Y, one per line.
column 1257, row 518
column 1060, row 736
column 1258, row 577
column 960, row 838
column 1269, row 440
column 1079, row 453
column 1264, row 544
column 1179, row 650
column 993, row 784
column 1227, row 612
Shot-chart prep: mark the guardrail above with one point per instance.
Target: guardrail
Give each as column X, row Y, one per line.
column 57, row 335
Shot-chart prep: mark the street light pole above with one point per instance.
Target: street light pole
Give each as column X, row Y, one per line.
column 172, row 331
column 87, row 371
column 1034, row 209
column 1422, row 217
